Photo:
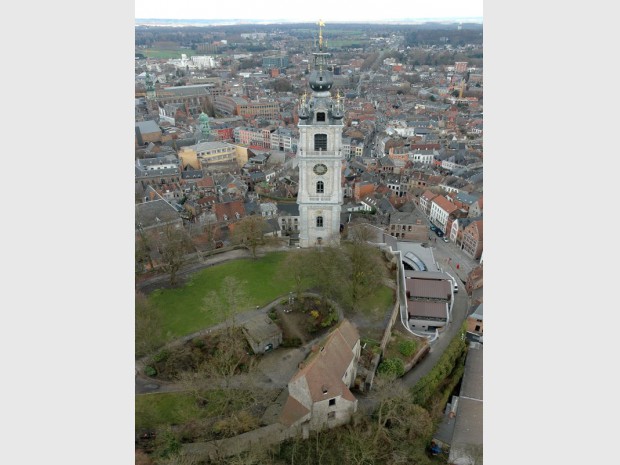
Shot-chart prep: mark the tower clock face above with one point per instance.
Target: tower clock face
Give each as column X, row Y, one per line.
column 320, row 169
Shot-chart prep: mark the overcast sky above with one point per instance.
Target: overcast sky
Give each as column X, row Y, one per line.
column 303, row 10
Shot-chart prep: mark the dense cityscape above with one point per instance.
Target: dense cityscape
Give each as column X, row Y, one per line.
column 309, row 243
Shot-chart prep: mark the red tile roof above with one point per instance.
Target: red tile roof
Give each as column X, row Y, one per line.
column 445, row 204
column 322, row 371
column 292, row 411
column 428, row 195
column 207, row 181
column 229, row 209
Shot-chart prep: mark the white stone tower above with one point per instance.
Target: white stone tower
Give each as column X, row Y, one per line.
column 319, row 153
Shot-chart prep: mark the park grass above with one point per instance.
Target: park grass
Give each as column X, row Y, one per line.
column 183, row 311
column 176, row 408
column 166, row 408
column 377, row 303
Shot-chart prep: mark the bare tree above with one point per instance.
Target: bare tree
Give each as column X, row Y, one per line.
column 296, row 266
column 249, row 231
column 229, row 300
column 143, row 250
column 362, row 232
column 228, row 356
column 329, row 268
column 366, row 270
column 173, row 246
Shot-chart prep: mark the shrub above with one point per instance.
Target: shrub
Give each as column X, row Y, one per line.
column 167, row 443
column 392, row 367
column 235, row 424
column 330, row 319
column 273, row 315
column 200, row 343
column 161, row 356
column 150, row 371
column 407, row 348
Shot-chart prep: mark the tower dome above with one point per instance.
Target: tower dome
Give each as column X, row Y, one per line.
column 320, row 80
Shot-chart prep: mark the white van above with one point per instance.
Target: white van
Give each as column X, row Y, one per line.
column 454, row 282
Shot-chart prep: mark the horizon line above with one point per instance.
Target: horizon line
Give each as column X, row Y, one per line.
column 444, row 18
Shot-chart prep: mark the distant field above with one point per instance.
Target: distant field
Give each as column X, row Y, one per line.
column 164, row 53
column 339, row 43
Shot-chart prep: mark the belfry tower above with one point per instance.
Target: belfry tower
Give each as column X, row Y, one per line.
column 319, row 153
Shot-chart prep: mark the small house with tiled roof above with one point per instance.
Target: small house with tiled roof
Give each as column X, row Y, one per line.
column 441, row 208
column 319, row 394
column 229, row 211
column 262, row 334
column 425, row 201
column 406, row 226
column 206, row 185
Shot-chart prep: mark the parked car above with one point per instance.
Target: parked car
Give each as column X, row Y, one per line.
column 445, row 239
column 433, row 227
column 439, row 233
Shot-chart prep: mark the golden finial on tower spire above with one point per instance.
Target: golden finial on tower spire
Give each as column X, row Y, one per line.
column 321, row 24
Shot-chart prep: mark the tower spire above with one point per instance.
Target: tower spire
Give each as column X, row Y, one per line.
column 321, row 25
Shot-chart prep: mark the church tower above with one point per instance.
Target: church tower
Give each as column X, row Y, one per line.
column 150, row 86
column 319, row 154
column 203, row 124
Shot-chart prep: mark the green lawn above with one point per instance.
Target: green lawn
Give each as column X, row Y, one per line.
column 183, row 308
column 171, row 408
column 378, row 302
column 176, row 408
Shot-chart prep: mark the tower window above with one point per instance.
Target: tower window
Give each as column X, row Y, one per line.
column 319, row 221
column 320, row 116
column 320, row 187
column 320, row 142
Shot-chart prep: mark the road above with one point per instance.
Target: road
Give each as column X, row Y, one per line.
column 442, row 252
